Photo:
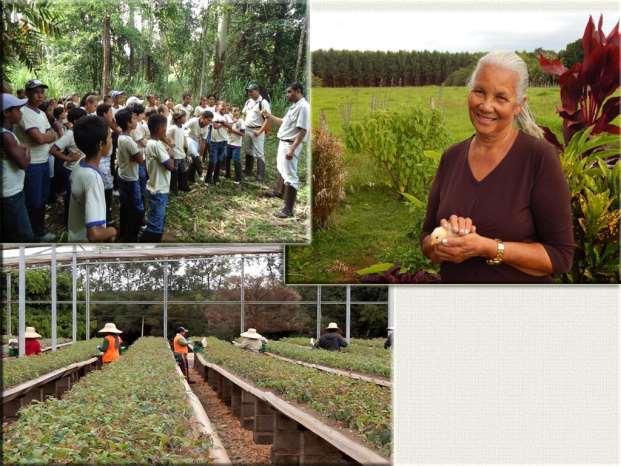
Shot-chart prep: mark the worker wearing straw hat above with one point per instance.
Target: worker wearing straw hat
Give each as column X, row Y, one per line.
column 32, row 341
column 111, row 344
column 181, row 348
column 332, row 340
column 251, row 340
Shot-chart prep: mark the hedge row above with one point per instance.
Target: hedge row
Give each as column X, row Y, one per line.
column 19, row 370
column 356, row 362
column 361, row 406
column 132, row 411
column 370, row 347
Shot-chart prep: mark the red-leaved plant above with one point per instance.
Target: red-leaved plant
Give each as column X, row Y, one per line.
column 586, row 87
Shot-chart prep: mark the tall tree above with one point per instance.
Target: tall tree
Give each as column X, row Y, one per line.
column 221, row 47
column 105, row 79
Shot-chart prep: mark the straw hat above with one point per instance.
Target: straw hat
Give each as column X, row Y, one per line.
column 332, row 326
column 110, row 327
column 31, row 333
column 252, row 334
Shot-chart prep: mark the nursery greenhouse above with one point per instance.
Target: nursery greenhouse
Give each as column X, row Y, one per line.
column 288, row 400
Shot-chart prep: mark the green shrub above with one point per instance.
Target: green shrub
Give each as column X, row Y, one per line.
column 361, row 406
column 19, row 370
column 132, row 411
column 595, row 191
column 348, row 360
column 404, row 142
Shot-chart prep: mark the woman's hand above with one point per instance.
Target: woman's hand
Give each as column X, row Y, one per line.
column 457, row 249
column 458, row 225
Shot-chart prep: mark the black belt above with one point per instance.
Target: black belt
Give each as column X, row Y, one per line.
column 290, row 141
column 252, row 127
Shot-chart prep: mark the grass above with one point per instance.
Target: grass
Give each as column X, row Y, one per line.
column 225, row 213
column 372, row 224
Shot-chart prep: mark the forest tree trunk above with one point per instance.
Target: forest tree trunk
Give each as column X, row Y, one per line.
column 299, row 65
column 105, row 81
column 132, row 53
column 221, row 46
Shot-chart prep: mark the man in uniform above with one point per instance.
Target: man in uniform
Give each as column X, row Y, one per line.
column 256, row 126
column 294, row 127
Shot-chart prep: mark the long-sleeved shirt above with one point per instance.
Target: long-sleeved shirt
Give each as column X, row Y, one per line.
column 331, row 341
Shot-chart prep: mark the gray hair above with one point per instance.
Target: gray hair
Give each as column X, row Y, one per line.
column 511, row 61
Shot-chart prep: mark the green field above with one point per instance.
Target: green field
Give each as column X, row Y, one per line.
column 372, row 224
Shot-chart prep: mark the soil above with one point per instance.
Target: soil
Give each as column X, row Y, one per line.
column 236, row 440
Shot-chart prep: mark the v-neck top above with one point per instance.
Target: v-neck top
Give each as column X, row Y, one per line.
column 525, row 198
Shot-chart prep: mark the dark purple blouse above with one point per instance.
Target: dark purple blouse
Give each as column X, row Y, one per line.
column 524, row 199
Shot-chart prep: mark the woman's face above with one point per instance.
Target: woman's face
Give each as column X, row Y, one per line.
column 492, row 102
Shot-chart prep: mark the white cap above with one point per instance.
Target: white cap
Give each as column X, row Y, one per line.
column 133, row 100
column 10, row 101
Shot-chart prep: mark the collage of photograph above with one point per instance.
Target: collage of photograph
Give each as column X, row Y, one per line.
column 210, row 209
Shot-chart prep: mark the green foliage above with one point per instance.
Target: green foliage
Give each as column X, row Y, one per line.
column 361, row 406
column 595, row 191
column 166, row 47
column 405, row 143
column 24, row 25
column 357, row 346
column 375, row 268
column 365, row 363
column 19, row 370
column 132, row 411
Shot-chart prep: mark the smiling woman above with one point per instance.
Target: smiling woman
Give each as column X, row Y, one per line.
column 499, row 207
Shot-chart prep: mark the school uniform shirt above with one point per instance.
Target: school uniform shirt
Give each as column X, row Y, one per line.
column 12, row 175
column 139, row 133
column 159, row 176
column 188, row 109
column 33, row 118
column 235, row 139
column 145, row 129
column 194, row 129
column 198, row 111
column 177, row 135
column 67, row 143
column 252, row 109
column 221, row 134
column 106, row 171
column 87, row 206
column 297, row 116
column 126, row 149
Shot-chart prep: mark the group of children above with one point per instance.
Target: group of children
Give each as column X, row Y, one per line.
column 88, row 148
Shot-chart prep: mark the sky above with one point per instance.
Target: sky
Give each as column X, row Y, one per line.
column 454, row 26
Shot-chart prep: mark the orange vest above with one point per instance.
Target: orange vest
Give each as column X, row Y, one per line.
column 112, row 352
column 177, row 348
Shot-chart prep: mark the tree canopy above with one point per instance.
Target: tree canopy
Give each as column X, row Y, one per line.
column 161, row 46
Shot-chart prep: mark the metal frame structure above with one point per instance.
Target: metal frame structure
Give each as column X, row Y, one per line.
column 164, row 254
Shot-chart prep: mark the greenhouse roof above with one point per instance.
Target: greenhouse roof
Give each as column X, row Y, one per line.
column 43, row 254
